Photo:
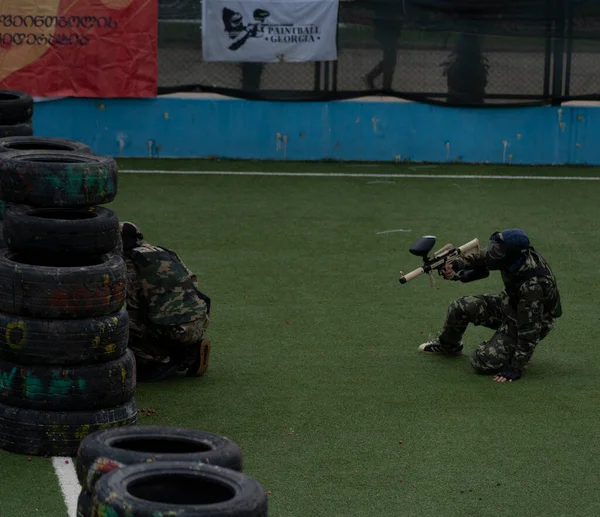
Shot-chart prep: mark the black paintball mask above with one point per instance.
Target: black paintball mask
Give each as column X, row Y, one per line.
column 131, row 235
column 507, row 250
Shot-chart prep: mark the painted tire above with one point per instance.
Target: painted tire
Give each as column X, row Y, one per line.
column 57, row 178
column 184, row 489
column 42, row 143
column 93, row 230
column 78, row 287
column 57, row 433
column 68, row 388
column 84, row 504
column 63, row 342
column 105, row 451
column 15, row 107
column 16, row 130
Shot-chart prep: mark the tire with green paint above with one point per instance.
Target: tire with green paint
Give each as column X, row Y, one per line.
column 105, row 451
column 16, row 107
column 63, row 342
column 25, row 129
column 68, row 388
column 184, row 489
column 84, row 504
column 42, row 143
column 57, row 433
column 40, row 285
column 91, row 230
column 57, row 178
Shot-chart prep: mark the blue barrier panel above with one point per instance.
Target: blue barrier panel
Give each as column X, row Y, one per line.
column 363, row 130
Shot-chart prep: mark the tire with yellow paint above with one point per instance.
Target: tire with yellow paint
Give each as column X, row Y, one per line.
column 72, row 388
column 57, row 433
column 63, row 342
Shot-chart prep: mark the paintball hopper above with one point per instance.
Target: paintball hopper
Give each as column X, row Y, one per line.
column 423, row 246
column 260, row 15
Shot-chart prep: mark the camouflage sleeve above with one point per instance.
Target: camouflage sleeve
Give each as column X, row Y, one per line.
column 133, row 300
column 189, row 272
column 192, row 275
column 529, row 322
column 470, row 260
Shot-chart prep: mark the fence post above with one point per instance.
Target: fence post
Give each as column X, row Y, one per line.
column 559, row 51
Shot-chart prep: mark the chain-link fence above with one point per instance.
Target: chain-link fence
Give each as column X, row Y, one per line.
column 465, row 52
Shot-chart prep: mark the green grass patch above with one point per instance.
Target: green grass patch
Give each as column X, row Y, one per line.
column 315, row 371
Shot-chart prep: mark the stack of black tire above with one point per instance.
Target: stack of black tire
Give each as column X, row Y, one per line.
column 65, row 369
column 152, row 470
column 16, row 113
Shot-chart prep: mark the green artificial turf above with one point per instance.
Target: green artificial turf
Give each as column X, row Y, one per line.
column 315, row 371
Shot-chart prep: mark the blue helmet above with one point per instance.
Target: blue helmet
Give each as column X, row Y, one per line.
column 507, row 249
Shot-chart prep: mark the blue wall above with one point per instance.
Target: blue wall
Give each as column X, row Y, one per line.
column 345, row 130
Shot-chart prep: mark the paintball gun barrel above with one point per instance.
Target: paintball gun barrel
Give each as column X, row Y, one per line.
column 423, row 246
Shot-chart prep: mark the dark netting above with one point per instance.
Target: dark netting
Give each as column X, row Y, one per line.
column 459, row 52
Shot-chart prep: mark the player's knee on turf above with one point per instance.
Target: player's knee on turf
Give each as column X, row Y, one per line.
column 485, row 362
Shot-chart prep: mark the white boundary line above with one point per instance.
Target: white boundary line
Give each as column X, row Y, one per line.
column 375, row 175
column 69, row 484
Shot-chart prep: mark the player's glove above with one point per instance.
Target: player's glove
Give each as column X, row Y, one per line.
column 510, row 374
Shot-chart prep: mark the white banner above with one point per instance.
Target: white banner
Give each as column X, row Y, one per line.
column 269, row 31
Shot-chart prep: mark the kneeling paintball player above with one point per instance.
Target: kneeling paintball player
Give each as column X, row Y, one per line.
column 522, row 315
column 168, row 315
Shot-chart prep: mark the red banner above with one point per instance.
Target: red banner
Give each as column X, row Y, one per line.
column 79, row 48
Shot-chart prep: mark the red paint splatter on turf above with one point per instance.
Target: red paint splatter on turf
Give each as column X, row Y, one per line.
column 287, row 322
column 400, row 442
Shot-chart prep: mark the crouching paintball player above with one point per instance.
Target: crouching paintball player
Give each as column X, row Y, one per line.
column 522, row 314
column 168, row 314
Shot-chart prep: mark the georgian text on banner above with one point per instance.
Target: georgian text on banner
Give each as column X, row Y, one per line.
column 79, row 48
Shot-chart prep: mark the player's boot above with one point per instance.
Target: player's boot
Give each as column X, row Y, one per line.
column 199, row 359
column 434, row 347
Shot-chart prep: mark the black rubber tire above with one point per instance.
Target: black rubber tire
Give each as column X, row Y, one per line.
column 57, row 178
column 93, row 230
column 45, row 433
column 25, row 129
column 152, row 444
column 183, row 488
column 63, row 342
column 2, row 245
column 15, row 107
column 42, row 143
column 84, row 504
column 68, row 388
column 86, row 287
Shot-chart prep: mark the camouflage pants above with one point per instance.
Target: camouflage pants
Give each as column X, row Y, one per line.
column 492, row 311
column 173, row 343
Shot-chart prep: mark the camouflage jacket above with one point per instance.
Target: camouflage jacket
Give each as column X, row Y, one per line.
column 532, row 299
column 161, row 290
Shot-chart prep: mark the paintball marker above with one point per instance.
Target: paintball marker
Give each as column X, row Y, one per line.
column 423, row 246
